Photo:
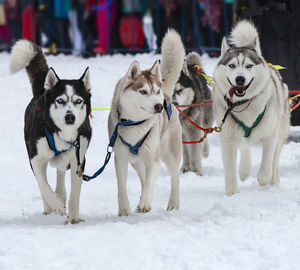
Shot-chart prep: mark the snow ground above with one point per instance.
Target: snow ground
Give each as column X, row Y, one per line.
column 256, row 229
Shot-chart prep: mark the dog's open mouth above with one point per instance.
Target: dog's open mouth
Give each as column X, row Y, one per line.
column 238, row 90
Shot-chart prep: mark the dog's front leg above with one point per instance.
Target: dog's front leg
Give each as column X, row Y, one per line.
column 152, row 170
column 84, row 142
column 229, row 155
column 52, row 202
column 76, row 182
column 266, row 167
column 121, row 167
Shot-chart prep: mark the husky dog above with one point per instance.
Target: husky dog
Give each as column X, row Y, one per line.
column 191, row 88
column 57, row 127
column 258, row 100
column 143, row 98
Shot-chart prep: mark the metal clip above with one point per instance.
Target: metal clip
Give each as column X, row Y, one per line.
column 79, row 174
column 109, row 149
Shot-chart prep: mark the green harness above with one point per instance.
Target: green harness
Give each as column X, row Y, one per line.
column 247, row 130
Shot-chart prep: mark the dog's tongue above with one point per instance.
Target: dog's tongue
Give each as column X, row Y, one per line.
column 236, row 89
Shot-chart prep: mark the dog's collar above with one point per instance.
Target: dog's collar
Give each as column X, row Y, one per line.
column 232, row 105
column 247, row 130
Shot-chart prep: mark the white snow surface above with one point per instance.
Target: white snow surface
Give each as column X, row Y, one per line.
column 258, row 228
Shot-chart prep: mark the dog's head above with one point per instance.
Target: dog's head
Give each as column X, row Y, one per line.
column 183, row 93
column 141, row 96
column 68, row 101
column 241, row 72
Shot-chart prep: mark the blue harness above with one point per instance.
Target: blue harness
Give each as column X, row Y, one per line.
column 52, row 145
column 134, row 149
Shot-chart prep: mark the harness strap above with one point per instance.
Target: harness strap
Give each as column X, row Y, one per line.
column 110, row 146
column 247, row 130
column 134, row 149
column 168, row 109
column 51, row 143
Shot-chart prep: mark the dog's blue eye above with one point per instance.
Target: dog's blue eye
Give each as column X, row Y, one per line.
column 60, row 101
column 249, row 66
column 232, row 65
column 143, row 92
column 78, row 101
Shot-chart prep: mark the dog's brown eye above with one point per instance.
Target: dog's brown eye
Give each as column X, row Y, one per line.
column 249, row 66
column 143, row 92
column 232, row 65
column 60, row 101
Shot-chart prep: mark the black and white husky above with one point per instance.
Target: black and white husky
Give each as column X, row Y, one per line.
column 57, row 127
column 259, row 106
column 191, row 88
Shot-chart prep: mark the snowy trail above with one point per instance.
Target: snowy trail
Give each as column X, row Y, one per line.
column 256, row 229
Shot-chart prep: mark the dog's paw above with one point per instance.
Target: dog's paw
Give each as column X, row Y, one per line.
column 263, row 179
column 199, row 172
column 173, row 204
column 244, row 176
column 143, row 208
column 57, row 205
column 73, row 220
column 124, row 212
column 47, row 212
column 185, row 168
column 231, row 190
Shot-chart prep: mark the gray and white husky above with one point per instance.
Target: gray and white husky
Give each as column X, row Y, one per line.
column 191, row 88
column 143, row 97
column 57, row 127
column 260, row 110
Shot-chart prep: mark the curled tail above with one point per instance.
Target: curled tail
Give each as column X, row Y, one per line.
column 26, row 54
column 173, row 53
column 245, row 34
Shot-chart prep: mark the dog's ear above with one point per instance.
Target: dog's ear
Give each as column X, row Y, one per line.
column 134, row 71
column 85, row 78
column 225, row 46
column 51, row 79
column 156, row 71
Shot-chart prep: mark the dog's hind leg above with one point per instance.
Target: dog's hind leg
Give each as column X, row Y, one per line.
column 121, row 167
column 205, row 149
column 173, row 167
column 229, row 154
column 60, row 185
column 73, row 211
column 245, row 163
column 152, row 170
column 50, row 198
column 186, row 159
column 196, row 158
column 265, row 172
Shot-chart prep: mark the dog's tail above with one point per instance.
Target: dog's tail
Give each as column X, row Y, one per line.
column 26, row 54
column 173, row 53
column 245, row 34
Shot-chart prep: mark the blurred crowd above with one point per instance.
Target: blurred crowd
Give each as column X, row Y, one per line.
column 87, row 27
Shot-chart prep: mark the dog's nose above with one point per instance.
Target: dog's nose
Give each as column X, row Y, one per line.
column 240, row 80
column 70, row 118
column 158, row 108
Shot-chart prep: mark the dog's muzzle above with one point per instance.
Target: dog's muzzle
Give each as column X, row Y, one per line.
column 70, row 118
